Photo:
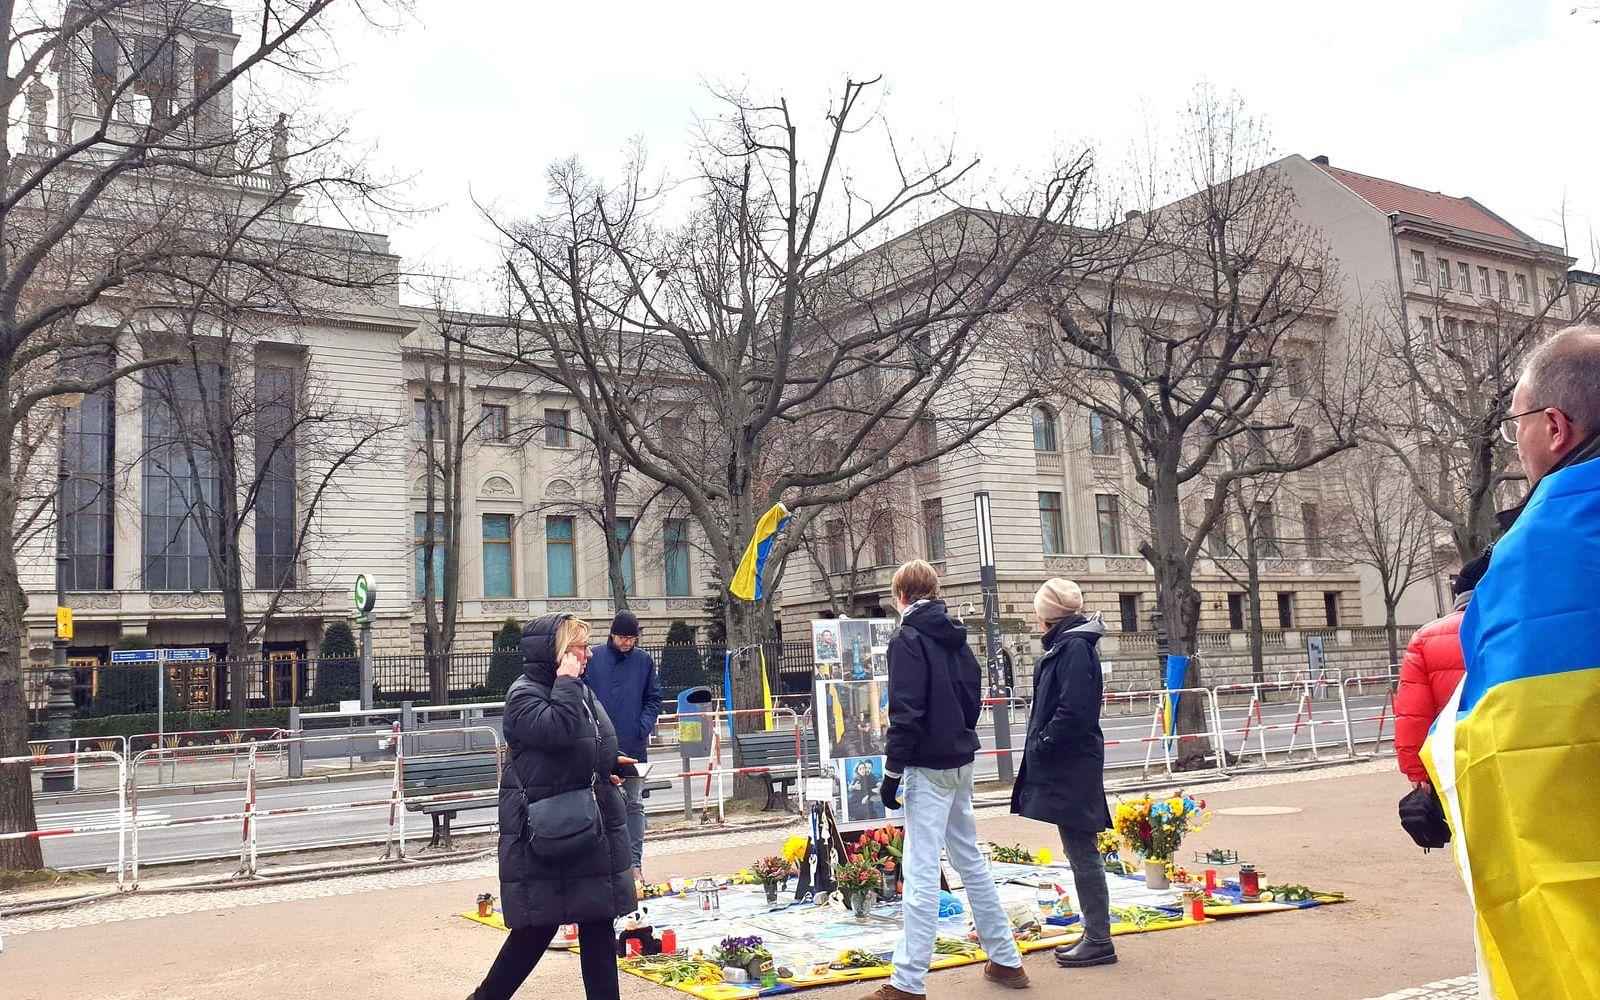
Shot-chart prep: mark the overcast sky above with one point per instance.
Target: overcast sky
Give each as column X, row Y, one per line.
column 474, row 98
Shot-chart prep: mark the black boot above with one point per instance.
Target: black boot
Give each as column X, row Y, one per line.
column 1086, row 953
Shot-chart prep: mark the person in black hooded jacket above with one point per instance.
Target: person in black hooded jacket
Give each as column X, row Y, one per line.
column 935, row 692
column 559, row 739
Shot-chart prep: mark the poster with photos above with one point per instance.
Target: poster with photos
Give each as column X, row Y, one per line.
column 882, row 628
column 860, row 787
column 855, row 649
column 853, row 717
column 825, row 647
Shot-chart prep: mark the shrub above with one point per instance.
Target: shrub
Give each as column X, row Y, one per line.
column 129, row 687
column 506, row 662
column 338, row 670
column 681, row 665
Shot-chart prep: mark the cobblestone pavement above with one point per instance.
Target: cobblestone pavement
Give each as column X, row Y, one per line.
column 1459, row 988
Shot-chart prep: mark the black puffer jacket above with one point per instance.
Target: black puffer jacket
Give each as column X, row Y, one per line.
column 1062, row 778
column 551, row 724
column 935, row 692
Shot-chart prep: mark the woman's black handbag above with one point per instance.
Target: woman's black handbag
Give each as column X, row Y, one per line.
column 566, row 824
column 1422, row 816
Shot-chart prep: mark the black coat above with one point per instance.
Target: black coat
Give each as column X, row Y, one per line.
column 935, row 691
column 550, row 728
column 1062, row 778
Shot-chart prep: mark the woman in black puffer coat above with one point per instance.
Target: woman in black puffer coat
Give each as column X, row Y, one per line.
column 559, row 739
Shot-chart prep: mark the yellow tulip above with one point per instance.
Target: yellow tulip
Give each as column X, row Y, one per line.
column 1044, row 856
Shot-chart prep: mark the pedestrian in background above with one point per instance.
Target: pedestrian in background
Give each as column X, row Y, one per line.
column 935, row 690
column 1062, row 777
column 625, row 680
column 559, row 740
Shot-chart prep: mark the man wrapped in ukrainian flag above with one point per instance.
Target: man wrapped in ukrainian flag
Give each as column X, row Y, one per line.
column 1515, row 755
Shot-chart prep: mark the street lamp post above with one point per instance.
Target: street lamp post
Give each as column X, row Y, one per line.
column 989, row 582
column 58, row 709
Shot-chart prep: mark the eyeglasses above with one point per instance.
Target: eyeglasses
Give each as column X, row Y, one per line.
column 1508, row 425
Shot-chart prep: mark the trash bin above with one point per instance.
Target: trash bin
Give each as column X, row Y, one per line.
column 694, row 736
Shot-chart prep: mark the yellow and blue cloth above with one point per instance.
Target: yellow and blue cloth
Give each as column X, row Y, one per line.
column 1515, row 755
column 747, row 583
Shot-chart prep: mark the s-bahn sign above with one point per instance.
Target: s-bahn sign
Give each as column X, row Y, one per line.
column 364, row 594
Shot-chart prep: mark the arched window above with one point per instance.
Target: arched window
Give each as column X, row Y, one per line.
column 1044, row 429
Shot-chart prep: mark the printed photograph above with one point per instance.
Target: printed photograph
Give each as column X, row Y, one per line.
column 855, row 649
column 860, row 781
column 825, row 640
column 855, row 718
column 882, row 628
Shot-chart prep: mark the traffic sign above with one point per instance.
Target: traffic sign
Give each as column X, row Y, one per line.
column 135, row 655
column 187, row 655
column 63, row 623
column 364, row 594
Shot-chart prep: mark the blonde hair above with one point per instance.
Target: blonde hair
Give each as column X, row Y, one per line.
column 573, row 629
column 1057, row 599
column 915, row 581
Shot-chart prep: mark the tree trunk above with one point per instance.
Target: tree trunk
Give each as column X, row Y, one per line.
column 1391, row 629
column 1258, row 666
column 1179, row 604
column 608, row 526
column 16, row 782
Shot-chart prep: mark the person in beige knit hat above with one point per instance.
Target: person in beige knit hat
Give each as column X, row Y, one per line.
column 1056, row 600
column 1062, row 777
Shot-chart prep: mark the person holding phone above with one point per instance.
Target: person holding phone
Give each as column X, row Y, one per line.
column 561, row 749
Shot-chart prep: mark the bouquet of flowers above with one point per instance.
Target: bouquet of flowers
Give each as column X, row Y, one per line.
column 1155, row 827
column 739, row 952
column 857, row 875
column 772, row 871
column 1018, row 855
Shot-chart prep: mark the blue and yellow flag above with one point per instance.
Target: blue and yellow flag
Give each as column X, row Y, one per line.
column 1515, row 755
column 747, row 585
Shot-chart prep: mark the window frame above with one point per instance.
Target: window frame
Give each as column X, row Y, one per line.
column 494, row 423
column 1444, row 274
column 557, row 428
column 1419, row 267
column 495, row 544
column 568, row 546
column 1101, row 441
column 1464, row 276
column 439, row 536
column 675, row 544
column 933, row 540
column 1046, row 436
column 1052, row 523
column 1485, row 289
column 1108, row 518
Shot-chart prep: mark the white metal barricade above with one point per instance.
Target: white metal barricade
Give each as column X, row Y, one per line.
column 108, row 758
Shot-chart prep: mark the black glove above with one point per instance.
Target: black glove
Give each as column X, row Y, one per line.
column 889, row 792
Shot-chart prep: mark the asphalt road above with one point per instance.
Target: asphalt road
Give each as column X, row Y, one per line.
column 1127, row 730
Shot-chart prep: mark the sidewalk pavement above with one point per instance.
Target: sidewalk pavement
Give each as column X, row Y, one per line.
column 395, row 934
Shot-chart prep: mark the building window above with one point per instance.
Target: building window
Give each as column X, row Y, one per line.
column 838, row 559
column 1444, row 275
column 1522, row 288
column 1311, row 520
column 88, row 534
column 497, row 555
column 1419, row 267
column 1450, row 327
column 1294, row 371
column 1303, row 442
column 1128, row 606
column 1502, row 283
column 495, row 424
column 1463, row 277
column 275, row 460
column 1217, row 542
column 1330, row 608
column 560, row 565
column 1427, row 328
column 1044, row 429
column 675, row 553
column 1108, row 515
column 427, row 415
column 420, row 540
column 883, row 543
column 1552, row 289
column 624, row 530
column 1286, row 611
column 1100, row 440
column 1483, row 282
column 1236, row 612
column 558, row 428
column 933, row 529
column 180, row 481
column 1267, row 531
column 1050, row 525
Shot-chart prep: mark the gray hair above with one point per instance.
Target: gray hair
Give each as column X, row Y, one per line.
column 1564, row 373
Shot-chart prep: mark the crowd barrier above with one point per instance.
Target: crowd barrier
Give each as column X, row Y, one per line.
column 1294, row 720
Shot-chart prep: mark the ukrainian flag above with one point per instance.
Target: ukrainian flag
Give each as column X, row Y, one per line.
column 747, row 585
column 1515, row 755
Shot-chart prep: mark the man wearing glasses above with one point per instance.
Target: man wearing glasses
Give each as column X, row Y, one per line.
column 1516, row 752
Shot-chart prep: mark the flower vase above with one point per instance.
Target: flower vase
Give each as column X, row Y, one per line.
column 1155, row 873
column 861, row 902
column 772, row 892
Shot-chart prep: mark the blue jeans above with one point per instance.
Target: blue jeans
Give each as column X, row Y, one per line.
column 633, row 793
column 938, row 811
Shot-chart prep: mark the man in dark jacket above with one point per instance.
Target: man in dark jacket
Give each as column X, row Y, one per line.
column 624, row 679
column 1062, row 778
column 935, row 691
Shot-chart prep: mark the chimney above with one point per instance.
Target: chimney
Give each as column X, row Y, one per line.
column 1131, row 214
column 1321, row 161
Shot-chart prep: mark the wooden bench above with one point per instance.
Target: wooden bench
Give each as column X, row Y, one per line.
column 775, row 749
column 444, row 774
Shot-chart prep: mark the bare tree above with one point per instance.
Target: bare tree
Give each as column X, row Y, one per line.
column 814, row 367
column 1383, row 523
column 857, row 536
column 1183, row 338
column 1445, row 384
column 107, row 222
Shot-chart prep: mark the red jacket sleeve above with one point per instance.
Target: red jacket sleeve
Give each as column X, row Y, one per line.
column 1414, row 708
